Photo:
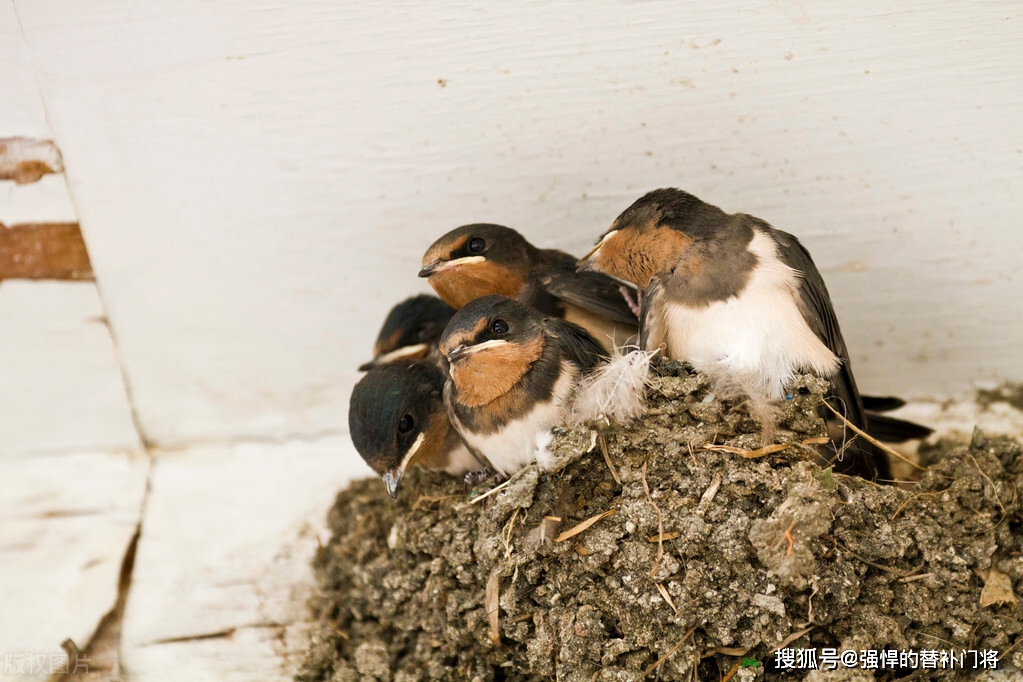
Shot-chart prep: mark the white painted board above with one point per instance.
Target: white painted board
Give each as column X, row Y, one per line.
column 67, row 521
column 222, row 576
column 61, row 388
column 256, row 180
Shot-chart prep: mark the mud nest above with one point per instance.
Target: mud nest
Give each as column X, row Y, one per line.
column 670, row 560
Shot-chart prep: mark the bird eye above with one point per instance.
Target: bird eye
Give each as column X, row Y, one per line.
column 499, row 327
column 406, row 424
column 477, row 244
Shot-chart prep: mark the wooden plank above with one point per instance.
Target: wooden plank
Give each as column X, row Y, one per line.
column 61, row 387
column 267, row 175
column 61, row 548
column 234, row 527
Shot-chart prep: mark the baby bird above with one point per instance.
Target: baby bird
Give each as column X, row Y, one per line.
column 397, row 417
column 512, row 376
column 739, row 300
column 482, row 259
column 411, row 331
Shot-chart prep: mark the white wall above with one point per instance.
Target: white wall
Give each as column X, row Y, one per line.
column 256, row 180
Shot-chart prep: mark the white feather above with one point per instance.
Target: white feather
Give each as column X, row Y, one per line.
column 545, row 459
column 616, row 390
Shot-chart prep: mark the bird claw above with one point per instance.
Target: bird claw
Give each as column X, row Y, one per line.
column 633, row 303
column 474, row 478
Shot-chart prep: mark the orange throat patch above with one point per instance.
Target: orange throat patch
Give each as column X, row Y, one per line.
column 485, row 376
column 637, row 254
column 432, row 454
column 464, row 283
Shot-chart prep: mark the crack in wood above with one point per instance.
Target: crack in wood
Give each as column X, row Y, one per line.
column 101, row 652
column 217, row 634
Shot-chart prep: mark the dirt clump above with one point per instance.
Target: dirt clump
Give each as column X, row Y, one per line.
column 696, row 563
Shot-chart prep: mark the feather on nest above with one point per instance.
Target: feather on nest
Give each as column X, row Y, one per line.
column 615, row 391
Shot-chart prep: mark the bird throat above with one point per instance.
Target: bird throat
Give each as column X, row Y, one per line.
column 637, row 254
column 464, row 283
column 485, row 376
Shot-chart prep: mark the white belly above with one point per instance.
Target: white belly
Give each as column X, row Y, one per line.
column 515, row 445
column 753, row 342
column 460, row 460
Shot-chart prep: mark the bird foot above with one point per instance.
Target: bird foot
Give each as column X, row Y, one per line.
column 633, row 303
column 473, row 479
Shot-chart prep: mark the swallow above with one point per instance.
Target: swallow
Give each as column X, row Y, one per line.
column 479, row 260
column 511, row 377
column 411, row 331
column 739, row 300
column 397, row 417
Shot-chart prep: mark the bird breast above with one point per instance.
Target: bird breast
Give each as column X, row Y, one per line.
column 755, row 340
column 514, row 445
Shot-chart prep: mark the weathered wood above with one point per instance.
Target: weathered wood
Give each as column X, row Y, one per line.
column 259, row 179
column 222, row 575
column 68, row 520
column 26, row 160
column 44, row 251
column 61, row 387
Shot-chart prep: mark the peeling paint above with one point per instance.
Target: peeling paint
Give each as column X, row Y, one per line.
column 26, row 160
column 44, row 251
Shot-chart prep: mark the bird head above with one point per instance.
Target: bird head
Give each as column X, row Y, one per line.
column 396, row 416
column 651, row 237
column 490, row 344
column 411, row 328
column 478, row 260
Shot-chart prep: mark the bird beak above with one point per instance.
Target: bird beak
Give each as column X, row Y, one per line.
column 392, row 477
column 431, row 268
column 439, row 265
column 586, row 263
column 391, row 480
column 459, row 351
column 462, row 350
column 412, row 352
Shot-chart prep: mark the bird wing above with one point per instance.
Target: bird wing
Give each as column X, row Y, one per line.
column 815, row 305
column 652, row 333
column 576, row 343
column 593, row 291
column 449, row 401
column 815, row 301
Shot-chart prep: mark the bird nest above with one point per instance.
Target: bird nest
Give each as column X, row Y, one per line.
column 673, row 547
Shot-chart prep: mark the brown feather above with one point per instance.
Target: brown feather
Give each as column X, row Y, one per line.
column 487, row 375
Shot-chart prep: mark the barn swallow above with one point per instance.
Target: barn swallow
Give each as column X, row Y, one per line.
column 397, row 417
column 478, row 260
column 739, row 300
column 411, row 330
column 512, row 374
